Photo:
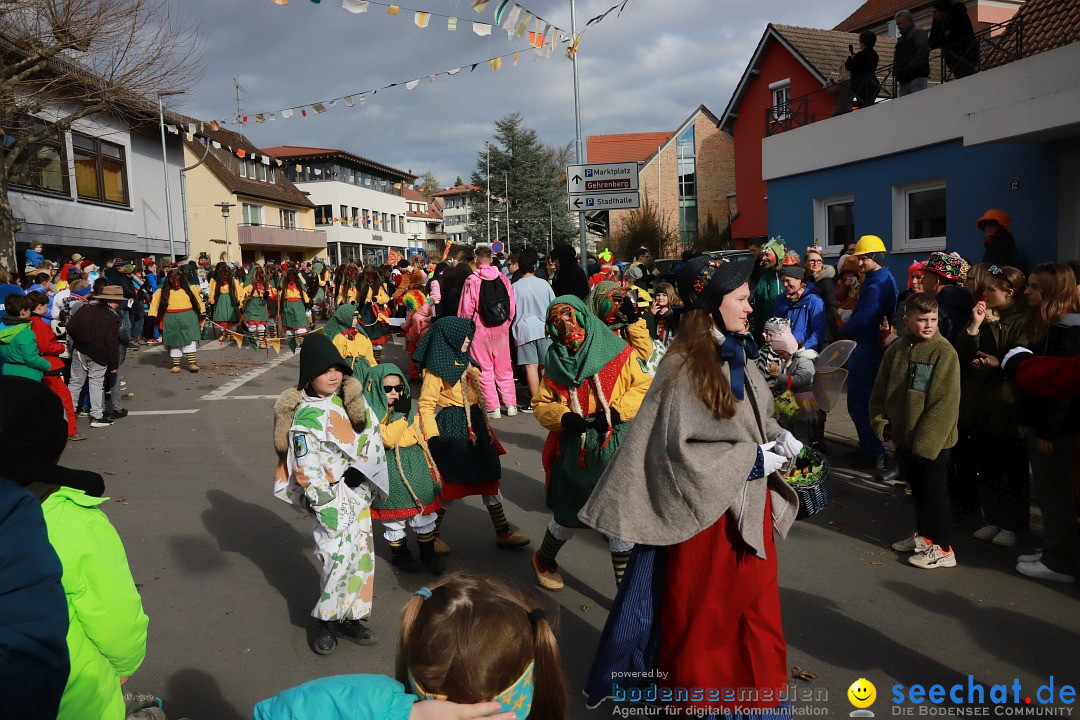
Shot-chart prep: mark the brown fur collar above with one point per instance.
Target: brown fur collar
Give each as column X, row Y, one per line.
column 352, row 393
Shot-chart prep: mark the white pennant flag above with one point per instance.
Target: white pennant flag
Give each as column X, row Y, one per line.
column 217, row 145
column 265, row 159
column 349, row 101
column 481, row 29
column 355, row 6
column 455, row 71
column 286, row 114
column 411, row 84
column 511, row 19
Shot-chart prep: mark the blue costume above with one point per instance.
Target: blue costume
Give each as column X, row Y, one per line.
column 807, row 315
column 877, row 300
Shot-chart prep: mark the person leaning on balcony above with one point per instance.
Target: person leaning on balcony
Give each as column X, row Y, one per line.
column 953, row 33
column 911, row 58
column 863, row 68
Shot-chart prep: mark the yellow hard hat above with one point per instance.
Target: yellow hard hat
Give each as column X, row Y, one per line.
column 869, row 244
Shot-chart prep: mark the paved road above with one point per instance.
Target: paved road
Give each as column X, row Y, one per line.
column 228, row 577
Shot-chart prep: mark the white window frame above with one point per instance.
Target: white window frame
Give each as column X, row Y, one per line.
column 902, row 241
column 287, row 218
column 248, row 210
column 781, row 88
column 821, row 220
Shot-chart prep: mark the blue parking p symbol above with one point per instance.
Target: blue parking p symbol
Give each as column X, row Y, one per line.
column 589, row 202
column 588, row 172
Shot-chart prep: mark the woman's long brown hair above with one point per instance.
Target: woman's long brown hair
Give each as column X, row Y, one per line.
column 1057, row 286
column 695, row 347
column 474, row 637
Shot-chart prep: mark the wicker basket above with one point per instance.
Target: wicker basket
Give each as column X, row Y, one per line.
column 814, row 498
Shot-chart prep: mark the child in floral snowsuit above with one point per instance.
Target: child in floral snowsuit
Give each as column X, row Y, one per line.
column 332, row 463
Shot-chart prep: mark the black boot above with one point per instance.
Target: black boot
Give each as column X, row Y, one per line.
column 355, row 630
column 402, row 559
column 325, row 642
column 428, row 557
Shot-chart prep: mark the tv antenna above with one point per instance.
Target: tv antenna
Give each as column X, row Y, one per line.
column 239, row 100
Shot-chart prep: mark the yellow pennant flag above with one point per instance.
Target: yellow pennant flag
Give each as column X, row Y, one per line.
column 275, row 343
column 421, row 19
column 393, row 10
column 495, row 63
column 516, row 58
column 238, row 339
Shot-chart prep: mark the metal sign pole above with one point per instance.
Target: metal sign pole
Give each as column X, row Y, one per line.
column 577, row 125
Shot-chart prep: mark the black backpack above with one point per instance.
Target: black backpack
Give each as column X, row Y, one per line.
column 494, row 303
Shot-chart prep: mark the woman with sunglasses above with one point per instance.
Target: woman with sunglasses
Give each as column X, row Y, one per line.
column 415, row 484
column 989, row 403
column 1052, row 425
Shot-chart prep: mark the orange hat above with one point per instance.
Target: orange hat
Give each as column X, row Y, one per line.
column 1001, row 217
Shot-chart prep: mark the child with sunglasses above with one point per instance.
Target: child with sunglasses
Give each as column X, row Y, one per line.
column 415, row 484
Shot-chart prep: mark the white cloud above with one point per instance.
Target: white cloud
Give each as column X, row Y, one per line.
column 643, row 71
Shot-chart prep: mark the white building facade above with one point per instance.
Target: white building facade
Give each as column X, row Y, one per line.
column 360, row 203
column 457, row 213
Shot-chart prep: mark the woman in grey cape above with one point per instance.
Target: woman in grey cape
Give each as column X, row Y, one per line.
column 696, row 486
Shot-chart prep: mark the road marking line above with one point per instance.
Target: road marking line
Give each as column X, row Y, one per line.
column 221, row 392
column 247, row 397
column 163, row 412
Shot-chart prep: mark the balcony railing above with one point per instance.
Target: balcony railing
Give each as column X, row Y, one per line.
column 998, row 45
column 268, row 235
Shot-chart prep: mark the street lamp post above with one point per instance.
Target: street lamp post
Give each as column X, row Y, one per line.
column 225, row 216
column 506, row 189
column 496, row 219
column 165, row 170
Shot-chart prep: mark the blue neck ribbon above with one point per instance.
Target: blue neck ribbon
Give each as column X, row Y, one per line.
column 734, row 351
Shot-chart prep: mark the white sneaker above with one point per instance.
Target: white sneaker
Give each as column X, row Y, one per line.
column 986, row 532
column 1005, row 538
column 1041, row 572
column 1033, row 557
column 511, row 411
column 494, row 414
column 933, row 557
column 915, row 543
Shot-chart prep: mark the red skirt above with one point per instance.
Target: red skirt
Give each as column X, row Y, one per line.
column 721, row 621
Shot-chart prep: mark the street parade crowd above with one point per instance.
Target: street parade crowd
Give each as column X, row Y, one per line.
column 685, row 416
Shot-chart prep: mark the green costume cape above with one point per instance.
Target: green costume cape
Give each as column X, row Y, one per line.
column 342, row 321
column 595, row 299
column 440, row 349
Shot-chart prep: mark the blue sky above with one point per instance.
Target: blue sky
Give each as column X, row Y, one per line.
column 645, row 70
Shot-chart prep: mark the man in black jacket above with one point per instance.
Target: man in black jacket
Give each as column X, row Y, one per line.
column 911, row 58
column 94, row 334
column 953, row 33
column 569, row 277
column 120, row 274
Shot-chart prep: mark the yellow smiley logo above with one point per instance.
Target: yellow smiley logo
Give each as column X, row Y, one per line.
column 862, row 693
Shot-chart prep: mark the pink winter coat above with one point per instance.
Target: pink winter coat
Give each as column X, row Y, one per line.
column 418, row 323
column 470, row 299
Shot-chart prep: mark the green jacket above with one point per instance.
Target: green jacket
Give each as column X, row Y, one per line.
column 107, row 627
column 917, row 393
column 763, row 299
column 988, row 401
column 19, row 350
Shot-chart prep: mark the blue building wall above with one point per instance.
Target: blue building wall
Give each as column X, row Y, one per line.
column 976, row 179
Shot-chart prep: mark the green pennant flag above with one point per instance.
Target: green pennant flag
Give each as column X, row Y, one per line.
column 251, row 342
column 292, row 343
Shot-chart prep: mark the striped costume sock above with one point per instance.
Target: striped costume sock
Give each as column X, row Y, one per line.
column 190, row 358
column 262, row 334
column 498, row 519
column 549, row 549
column 175, row 362
column 425, row 537
column 618, row 563
column 397, row 543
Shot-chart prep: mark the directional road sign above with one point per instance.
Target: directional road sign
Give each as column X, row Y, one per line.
column 601, row 178
column 605, row 201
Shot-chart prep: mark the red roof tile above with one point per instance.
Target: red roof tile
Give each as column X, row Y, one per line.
column 875, row 12
column 627, row 147
column 459, row 190
column 1037, row 27
column 412, row 195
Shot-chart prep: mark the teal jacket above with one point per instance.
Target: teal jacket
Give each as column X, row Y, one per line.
column 340, row 697
column 19, row 350
column 107, row 627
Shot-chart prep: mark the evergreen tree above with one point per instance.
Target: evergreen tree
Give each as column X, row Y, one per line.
column 458, row 182
column 428, row 185
column 533, row 185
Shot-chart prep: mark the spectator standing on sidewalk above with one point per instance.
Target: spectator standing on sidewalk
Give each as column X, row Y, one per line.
column 488, row 300
column 911, row 58
column 876, row 303
column 51, row 350
column 18, row 346
column 94, row 334
column 532, row 296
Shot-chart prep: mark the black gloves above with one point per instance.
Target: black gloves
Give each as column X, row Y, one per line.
column 353, row 477
column 403, row 404
column 629, row 310
column 600, row 422
column 574, row 423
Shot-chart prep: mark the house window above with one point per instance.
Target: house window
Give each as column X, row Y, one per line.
column 344, row 216
column 324, row 215
column 688, row 221
column 781, row 99
column 262, row 172
column 270, row 174
column 252, row 214
column 288, row 219
column 919, row 216
column 834, row 222
column 243, row 168
column 42, row 165
column 366, row 218
column 100, row 172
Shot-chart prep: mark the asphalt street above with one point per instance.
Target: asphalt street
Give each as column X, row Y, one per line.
column 228, row 576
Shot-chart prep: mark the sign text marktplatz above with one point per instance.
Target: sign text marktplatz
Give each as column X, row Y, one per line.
column 603, row 186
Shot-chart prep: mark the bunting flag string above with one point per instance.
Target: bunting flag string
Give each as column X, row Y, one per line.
column 243, row 339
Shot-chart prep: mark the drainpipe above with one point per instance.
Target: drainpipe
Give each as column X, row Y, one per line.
column 183, row 197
